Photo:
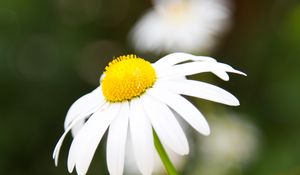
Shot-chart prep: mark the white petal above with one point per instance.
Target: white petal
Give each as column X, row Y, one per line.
column 200, row 90
column 178, row 57
column 165, row 125
column 116, row 140
column 76, row 128
column 168, row 61
column 221, row 74
column 228, row 68
column 221, row 70
column 59, row 143
column 85, row 105
column 191, row 68
column 184, row 108
column 142, row 138
column 86, row 141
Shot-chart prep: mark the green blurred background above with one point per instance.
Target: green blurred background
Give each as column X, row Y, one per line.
column 53, row 51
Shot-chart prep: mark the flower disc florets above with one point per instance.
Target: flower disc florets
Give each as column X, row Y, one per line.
column 127, row 77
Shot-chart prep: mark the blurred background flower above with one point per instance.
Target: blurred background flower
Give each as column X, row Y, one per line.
column 233, row 145
column 53, row 51
column 182, row 25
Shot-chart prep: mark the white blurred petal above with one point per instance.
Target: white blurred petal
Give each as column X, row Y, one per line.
column 86, row 141
column 184, row 108
column 200, row 90
column 116, row 141
column 165, row 125
column 142, row 137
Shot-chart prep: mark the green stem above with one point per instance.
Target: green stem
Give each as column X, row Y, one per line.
column 164, row 156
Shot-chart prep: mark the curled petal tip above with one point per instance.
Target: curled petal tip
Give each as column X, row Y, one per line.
column 233, row 103
column 186, row 152
column 242, row 73
column 206, row 133
column 239, row 72
column 70, row 170
column 236, row 104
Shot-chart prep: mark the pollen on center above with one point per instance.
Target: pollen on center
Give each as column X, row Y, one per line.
column 127, row 77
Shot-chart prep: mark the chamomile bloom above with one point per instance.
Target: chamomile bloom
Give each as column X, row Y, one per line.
column 134, row 97
column 182, row 25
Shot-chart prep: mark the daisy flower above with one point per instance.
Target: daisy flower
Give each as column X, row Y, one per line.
column 136, row 97
column 182, row 25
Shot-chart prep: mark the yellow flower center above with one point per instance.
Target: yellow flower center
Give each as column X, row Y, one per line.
column 127, row 77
